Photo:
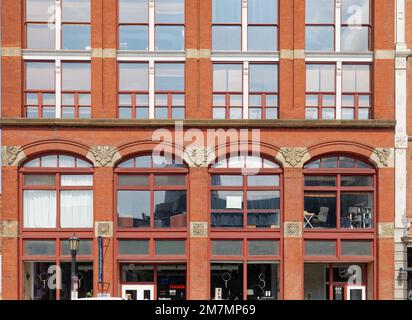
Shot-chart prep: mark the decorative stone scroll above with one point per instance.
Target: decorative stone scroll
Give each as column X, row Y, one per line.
column 293, row 230
column 386, row 230
column 293, row 156
column 198, row 229
column 383, row 157
column 198, row 156
column 104, row 229
column 12, row 155
column 103, row 156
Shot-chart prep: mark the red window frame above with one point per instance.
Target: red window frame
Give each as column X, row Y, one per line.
column 152, row 188
column 134, row 93
column 320, row 95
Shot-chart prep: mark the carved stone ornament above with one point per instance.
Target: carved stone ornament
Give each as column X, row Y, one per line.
column 198, row 229
column 293, row 157
column 293, row 229
column 11, row 155
column 104, row 229
column 198, row 156
column 382, row 156
column 103, row 156
column 386, row 230
column 9, row 229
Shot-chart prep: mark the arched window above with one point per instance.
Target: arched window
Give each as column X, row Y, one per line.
column 339, row 193
column 151, row 193
column 57, row 193
column 239, row 199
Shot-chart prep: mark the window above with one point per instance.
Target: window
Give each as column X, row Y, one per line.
column 320, row 248
column 170, row 91
column 48, row 28
column 41, row 90
column 320, row 91
column 252, row 27
column 151, row 193
column 356, row 92
column 340, row 180
column 239, row 200
column 335, row 26
column 134, row 90
column 165, row 32
column 57, row 193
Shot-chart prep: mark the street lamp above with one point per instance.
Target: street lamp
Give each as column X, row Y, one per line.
column 74, row 243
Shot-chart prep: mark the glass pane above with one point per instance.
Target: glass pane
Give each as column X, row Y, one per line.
column 170, row 76
column 346, row 162
column 230, row 200
column 133, row 76
column 171, row 282
column 355, row 12
column 271, row 101
column 133, row 11
column 39, row 180
column 219, row 113
column 320, row 38
column 364, row 101
column 348, row 101
column 178, row 100
column 356, row 210
column 227, row 247
column 263, row 78
column 32, row 112
column 263, row 11
column 40, row 76
column 227, row 77
column 226, row 38
column 328, row 100
column 133, row 247
column 263, row 200
column 263, row 247
column 356, row 248
column 364, row 114
column 312, row 100
column 39, row 209
column 39, row 10
column 76, row 208
column 39, row 247
column 49, row 161
column 227, row 181
column 255, row 113
column 76, row 37
column 67, row 162
column 320, row 248
column 263, row 219
column 320, row 210
column 76, row 76
column 85, row 113
column 170, row 180
column 133, row 209
column 219, row 100
column 226, row 281
column 178, row 113
column 227, row 220
column 77, row 180
column 320, row 181
column 76, row 10
column 263, row 181
column 40, row 36
column 85, row 247
column 67, row 113
column 311, row 114
column 85, row 99
column 262, row 38
column 356, row 181
column 271, row 113
column 135, row 273
column 170, row 38
column 48, row 99
column 133, row 38
column 226, row 11
column 262, row 281
column 161, row 113
column 330, row 162
column 82, row 164
column 320, row 78
column 355, row 78
column 328, row 113
column 320, row 11
column 142, row 100
column 84, row 272
column 348, row 114
column 68, row 99
column 142, row 113
column 354, row 38
column 133, row 180
column 170, row 209
column 170, row 11
column 170, row 247
column 236, row 100
column 34, row 274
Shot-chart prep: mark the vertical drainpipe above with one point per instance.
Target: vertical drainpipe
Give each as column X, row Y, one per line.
column 401, row 145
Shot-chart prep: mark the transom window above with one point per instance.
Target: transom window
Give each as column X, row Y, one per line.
column 352, row 99
column 339, row 193
column 60, row 197
column 149, row 26
column 252, row 26
column 43, row 84
column 64, row 24
column 239, row 200
column 335, row 26
column 232, row 100
column 151, row 193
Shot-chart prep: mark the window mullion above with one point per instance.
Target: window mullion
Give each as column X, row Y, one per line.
column 337, row 25
column 58, row 24
column 58, row 85
column 151, row 25
column 244, row 25
column 151, row 89
column 338, row 97
column 246, row 90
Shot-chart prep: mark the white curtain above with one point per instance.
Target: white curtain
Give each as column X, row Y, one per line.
column 39, row 209
column 76, row 209
column 77, row 180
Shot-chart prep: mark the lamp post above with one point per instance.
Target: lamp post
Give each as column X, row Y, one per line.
column 74, row 243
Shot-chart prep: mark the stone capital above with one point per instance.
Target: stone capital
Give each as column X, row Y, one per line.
column 293, row 157
column 9, row 229
column 386, row 230
column 103, row 156
column 198, row 156
column 103, row 229
column 293, row 229
column 198, row 229
column 12, row 155
column 383, row 157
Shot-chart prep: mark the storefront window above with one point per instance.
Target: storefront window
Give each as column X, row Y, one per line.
column 347, row 181
column 85, row 280
column 262, row 281
column 35, row 281
column 226, row 281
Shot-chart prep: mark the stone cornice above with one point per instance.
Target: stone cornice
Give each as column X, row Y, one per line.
column 203, row 123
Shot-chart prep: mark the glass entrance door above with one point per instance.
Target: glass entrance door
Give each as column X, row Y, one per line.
column 138, row 292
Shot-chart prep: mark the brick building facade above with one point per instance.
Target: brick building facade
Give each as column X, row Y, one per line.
column 82, row 103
